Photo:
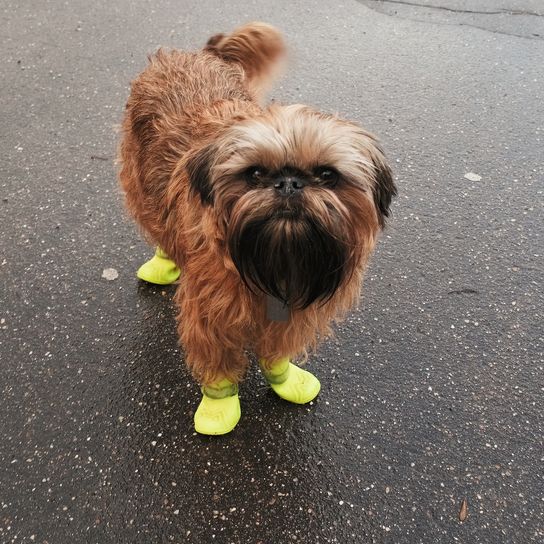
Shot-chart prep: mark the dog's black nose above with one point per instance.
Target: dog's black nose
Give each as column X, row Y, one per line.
column 288, row 186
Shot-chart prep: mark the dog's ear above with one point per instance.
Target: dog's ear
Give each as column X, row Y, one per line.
column 384, row 187
column 198, row 168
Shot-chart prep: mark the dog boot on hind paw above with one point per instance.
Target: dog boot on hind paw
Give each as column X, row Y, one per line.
column 290, row 382
column 219, row 410
column 159, row 270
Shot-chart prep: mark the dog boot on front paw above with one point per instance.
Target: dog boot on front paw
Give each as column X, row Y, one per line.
column 219, row 410
column 159, row 270
column 290, row 382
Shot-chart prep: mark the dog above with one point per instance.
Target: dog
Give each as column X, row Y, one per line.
column 270, row 212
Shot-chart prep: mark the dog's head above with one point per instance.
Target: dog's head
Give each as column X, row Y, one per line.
column 299, row 197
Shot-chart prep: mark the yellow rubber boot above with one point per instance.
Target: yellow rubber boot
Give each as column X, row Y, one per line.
column 290, row 382
column 219, row 410
column 159, row 269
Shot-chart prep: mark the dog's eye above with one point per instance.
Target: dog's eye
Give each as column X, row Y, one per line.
column 326, row 175
column 255, row 173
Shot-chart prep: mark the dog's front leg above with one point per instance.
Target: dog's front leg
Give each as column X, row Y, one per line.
column 290, row 382
column 216, row 359
column 219, row 410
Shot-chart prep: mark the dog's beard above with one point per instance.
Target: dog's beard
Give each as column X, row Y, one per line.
column 299, row 250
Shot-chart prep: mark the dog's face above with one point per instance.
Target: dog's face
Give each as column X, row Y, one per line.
column 299, row 198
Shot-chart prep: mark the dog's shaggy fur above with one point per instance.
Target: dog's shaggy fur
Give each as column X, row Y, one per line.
column 249, row 201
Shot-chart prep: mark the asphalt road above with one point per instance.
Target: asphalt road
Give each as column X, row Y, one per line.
column 432, row 392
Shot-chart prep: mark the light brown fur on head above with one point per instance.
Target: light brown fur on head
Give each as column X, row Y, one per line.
column 192, row 133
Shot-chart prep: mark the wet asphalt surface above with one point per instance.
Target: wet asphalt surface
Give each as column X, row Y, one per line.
column 431, row 391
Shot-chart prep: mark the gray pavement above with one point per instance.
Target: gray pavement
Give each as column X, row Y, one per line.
column 431, row 392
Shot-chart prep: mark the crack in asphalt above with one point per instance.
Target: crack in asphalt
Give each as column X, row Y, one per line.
column 370, row 4
column 455, row 10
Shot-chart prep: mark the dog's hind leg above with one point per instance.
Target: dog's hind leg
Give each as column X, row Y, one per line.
column 160, row 269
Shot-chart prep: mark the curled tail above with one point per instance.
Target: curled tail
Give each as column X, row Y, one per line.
column 258, row 47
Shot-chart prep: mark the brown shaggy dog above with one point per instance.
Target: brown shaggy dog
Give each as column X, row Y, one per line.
column 253, row 203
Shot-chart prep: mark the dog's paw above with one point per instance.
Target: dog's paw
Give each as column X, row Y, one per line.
column 217, row 416
column 159, row 270
column 300, row 386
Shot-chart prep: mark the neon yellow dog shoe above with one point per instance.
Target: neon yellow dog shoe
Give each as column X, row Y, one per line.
column 291, row 382
column 219, row 410
column 159, row 270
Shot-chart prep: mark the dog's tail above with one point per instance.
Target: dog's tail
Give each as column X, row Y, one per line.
column 258, row 47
